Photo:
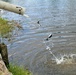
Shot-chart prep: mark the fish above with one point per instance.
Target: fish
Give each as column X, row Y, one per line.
column 48, row 37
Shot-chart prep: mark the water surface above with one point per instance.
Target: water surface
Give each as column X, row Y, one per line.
column 56, row 17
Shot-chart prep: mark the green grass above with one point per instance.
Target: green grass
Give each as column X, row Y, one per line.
column 15, row 70
column 5, row 28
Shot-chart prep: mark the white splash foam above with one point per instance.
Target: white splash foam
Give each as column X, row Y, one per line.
column 59, row 61
column 66, row 59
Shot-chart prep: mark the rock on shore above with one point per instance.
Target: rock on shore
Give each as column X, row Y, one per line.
column 3, row 68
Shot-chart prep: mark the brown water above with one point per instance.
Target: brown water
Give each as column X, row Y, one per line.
column 56, row 17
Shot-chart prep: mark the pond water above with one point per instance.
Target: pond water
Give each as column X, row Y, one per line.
column 29, row 47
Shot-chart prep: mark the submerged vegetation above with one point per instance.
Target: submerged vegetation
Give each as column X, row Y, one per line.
column 18, row 70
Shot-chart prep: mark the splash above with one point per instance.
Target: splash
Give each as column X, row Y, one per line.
column 63, row 59
column 58, row 61
column 49, row 49
column 67, row 59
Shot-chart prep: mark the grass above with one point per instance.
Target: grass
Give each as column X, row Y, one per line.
column 16, row 70
column 5, row 28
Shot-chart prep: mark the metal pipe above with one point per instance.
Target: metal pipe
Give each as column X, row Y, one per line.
column 12, row 8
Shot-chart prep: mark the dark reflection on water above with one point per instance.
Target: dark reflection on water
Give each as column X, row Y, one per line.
column 56, row 17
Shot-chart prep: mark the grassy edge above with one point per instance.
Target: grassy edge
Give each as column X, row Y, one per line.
column 5, row 28
column 16, row 70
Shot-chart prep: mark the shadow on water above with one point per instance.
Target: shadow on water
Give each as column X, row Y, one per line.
column 56, row 55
